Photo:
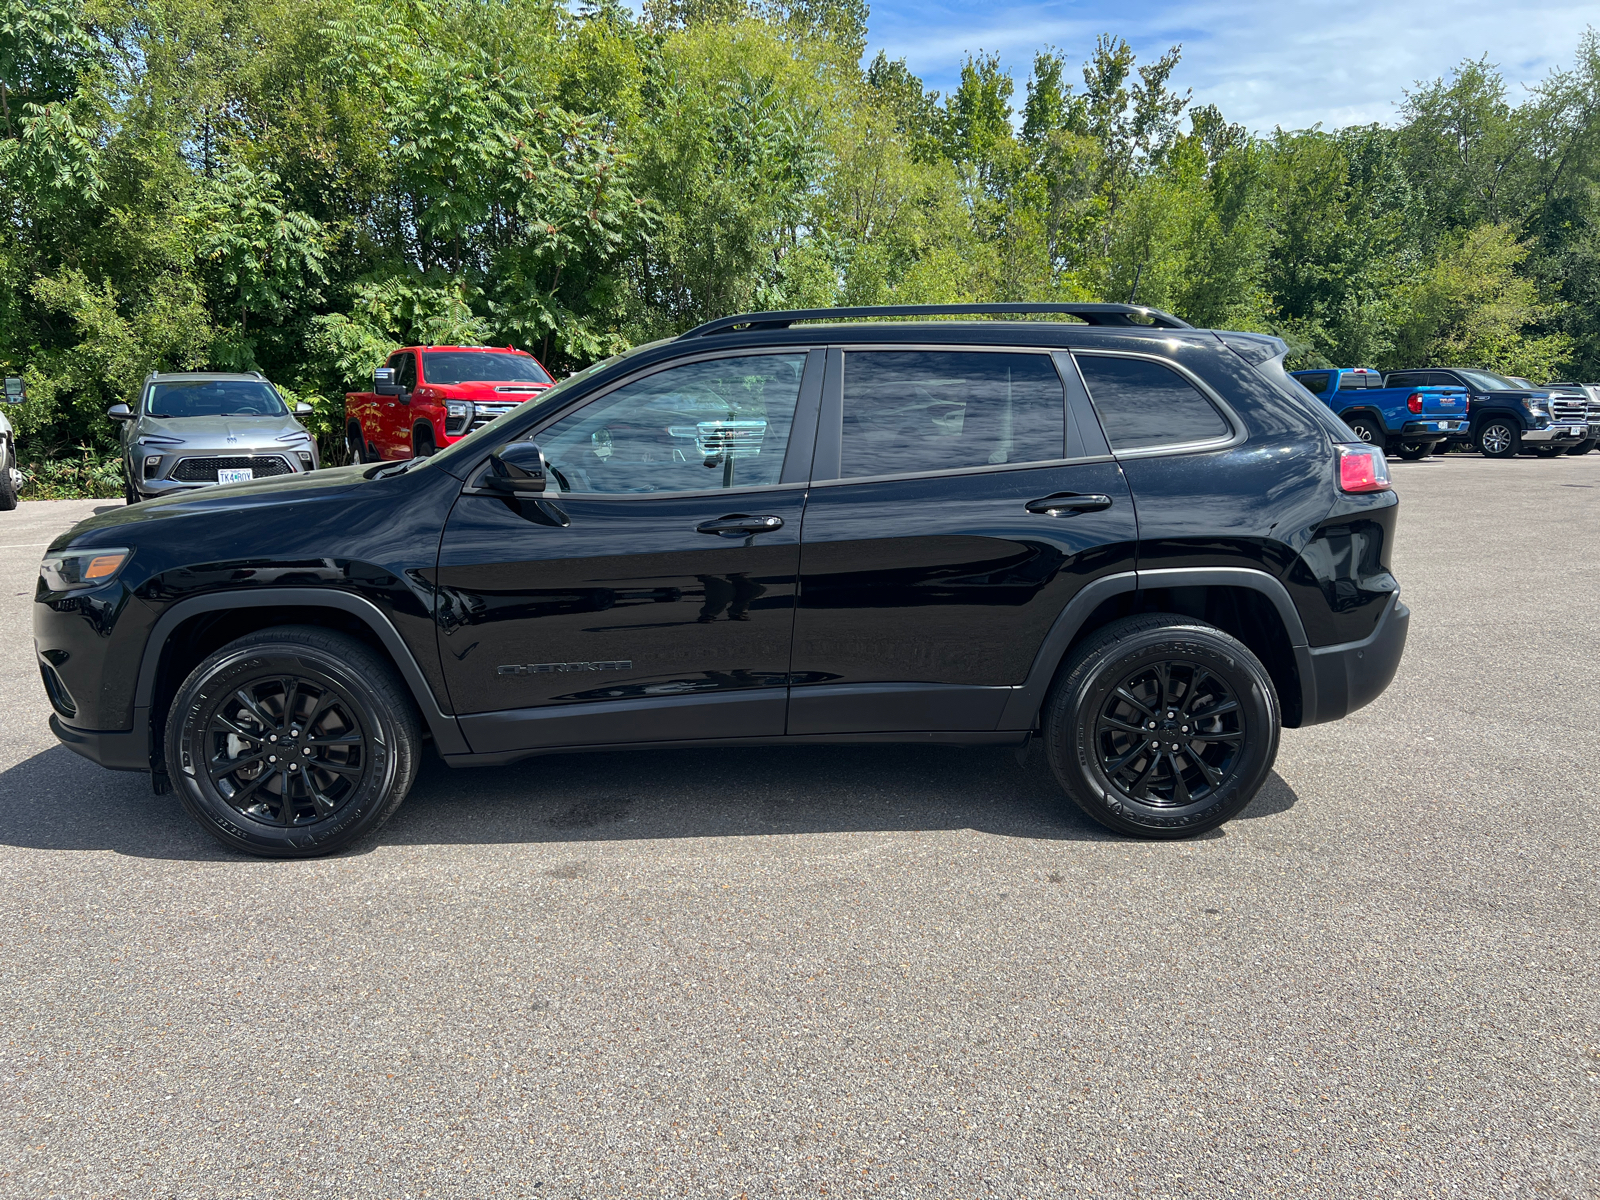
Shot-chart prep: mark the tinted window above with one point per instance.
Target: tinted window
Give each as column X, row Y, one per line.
column 1316, row 381
column 473, row 366
column 1487, row 381
column 718, row 424
column 406, row 371
column 214, row 398
column 1142, row 403
column 936, row 410
column 1365, row 379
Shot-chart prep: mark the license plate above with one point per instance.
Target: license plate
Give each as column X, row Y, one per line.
column 240, row 475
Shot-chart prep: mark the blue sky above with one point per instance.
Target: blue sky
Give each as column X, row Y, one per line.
column 1263, row 63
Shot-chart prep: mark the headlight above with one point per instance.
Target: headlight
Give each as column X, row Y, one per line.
column 457, row 409
column 1534, row 406
column 87, row 568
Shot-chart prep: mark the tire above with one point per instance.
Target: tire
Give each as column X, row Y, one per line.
column 1498, row 439
column 1367, row 430
column 1582, row 447
column 1161, row 794
column 1550, row 451
column 1412, row 451
column 130, row 494
column 422, row 443
column 8, row 478
column 350, row 692
column 355, row 444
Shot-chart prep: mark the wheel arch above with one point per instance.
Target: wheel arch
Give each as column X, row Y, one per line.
column 193, row 628
column 1251, row 605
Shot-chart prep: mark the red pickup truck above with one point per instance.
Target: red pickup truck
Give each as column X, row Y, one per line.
column 425, row 397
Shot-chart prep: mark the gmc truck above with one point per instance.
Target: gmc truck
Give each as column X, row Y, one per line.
column 1506, row 419
column 1408, row 421
column 426, row 397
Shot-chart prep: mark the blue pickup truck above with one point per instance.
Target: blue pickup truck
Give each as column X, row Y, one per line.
column 1408, row 421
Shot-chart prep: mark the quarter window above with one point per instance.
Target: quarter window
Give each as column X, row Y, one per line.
column 1316, row 381
column 908, row 411
column 1143, row 404
column 722, row 423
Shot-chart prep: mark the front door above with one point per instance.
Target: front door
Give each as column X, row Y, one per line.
column 649, row 596
column 394, row 423
column 954, row 531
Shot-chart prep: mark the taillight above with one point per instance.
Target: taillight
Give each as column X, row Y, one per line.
column 1362, row 469
column 1414, row 402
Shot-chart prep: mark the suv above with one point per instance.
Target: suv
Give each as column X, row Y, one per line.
column 195, row 429
column 1506, row 418
column 1136, row 541
column 10, row 476
column 424, row 398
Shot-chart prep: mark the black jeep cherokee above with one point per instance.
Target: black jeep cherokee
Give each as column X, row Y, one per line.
column 1137, row 541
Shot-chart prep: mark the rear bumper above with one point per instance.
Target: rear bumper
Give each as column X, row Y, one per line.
column 118, row 749
column 1434, row 427
column 1337, row 680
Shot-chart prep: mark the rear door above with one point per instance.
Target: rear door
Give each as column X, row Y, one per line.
column 934, row 559
column 649, row 596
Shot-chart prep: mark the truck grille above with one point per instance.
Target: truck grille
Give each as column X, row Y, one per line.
column 485, row 411
column 1568, row 408
column 204, row 470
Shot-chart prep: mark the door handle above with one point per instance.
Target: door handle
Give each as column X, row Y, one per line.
column 739, row 525
column 1064, row 503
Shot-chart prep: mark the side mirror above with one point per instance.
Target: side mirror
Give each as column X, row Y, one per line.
column 119, row 412
column 302, row 409
column 16, row 393
column 383, row 382
column 517, row 469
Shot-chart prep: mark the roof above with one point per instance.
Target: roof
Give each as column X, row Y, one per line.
column 171, row 376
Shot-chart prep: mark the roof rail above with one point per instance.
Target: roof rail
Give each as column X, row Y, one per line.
column 1134, row 315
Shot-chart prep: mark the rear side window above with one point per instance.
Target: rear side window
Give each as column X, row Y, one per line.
column 1315, row 381
column 910, row 411
column 1144, row 404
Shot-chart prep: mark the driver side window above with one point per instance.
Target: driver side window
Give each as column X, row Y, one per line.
column 720, row 423
column 405, row 375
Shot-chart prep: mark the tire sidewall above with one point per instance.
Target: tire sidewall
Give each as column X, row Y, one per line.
column 213, row 682
column 1512, row 445
column 1091, row 686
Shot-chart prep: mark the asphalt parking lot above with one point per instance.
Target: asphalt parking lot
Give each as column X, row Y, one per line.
column 856, row 971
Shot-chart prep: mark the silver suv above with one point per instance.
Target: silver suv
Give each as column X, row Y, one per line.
column 10, row 477
column 196, row 429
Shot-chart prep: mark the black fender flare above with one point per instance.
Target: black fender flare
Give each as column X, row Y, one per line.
column 1363, row 411
column 1027, row 700
column 446, row 733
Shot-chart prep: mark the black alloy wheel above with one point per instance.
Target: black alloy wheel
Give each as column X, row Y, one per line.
column 1162, row 726
column 1367, row 430
column 1499, row 439
column 1583, row 447
column 422, row 443
column 292, row 742
column 1412, row 451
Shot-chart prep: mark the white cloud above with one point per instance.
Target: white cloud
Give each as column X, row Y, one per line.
column 1262, row 63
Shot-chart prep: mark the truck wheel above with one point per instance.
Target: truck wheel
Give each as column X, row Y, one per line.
column 1550, row 451
column 355, row 444
column 8, row 477
column 1368, row 430
column 1499, row 439
column 1583, row 447
column 1162, row 726
column 422, row 444
column 1415, row 450
column 292, row 742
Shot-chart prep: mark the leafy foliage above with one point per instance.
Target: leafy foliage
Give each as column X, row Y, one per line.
column 300, row 186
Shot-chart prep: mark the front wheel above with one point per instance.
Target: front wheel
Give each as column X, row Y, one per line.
column 292, row 742
column 355, row 444
column 1162, row 726
column 1583, row 447
column 1550, row 451
column 1499, row 439
column 9, row 482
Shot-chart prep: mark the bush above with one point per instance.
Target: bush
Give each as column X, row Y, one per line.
column 93, row 475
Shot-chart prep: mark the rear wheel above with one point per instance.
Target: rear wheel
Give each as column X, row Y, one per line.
column 1499, row 439
column 1162, row 726
column 8, row 477
column 1415, row 450
column 292, row 742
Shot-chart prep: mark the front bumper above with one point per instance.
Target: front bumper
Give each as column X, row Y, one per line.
column 1567, row 435
column 1337, row 680
column 118, row 749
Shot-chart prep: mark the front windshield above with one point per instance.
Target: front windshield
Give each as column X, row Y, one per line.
column 1487, row 381
column 477, row 366
column 215, row 398
column 485, row 437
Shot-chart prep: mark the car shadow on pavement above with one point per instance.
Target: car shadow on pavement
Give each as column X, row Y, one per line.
column 57, row 801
